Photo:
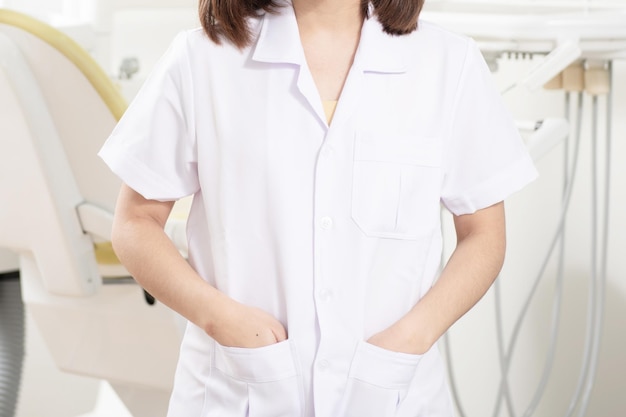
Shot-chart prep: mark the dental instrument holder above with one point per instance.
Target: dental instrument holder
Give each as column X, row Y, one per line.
column 76, row 272
column 566, row 53
column 600, row 35
column 545, row 135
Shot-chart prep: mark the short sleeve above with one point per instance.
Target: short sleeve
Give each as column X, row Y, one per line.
column 152, row 148
column 485, row 158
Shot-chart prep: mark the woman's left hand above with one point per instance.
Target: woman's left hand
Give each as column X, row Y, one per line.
column 398, row 339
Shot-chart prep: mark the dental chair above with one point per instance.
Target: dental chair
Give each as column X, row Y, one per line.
column 56, row 109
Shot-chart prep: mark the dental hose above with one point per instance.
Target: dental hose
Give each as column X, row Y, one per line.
column 505, row 358
column 11, row 342
column 557, row 238
column 591, row 311
column 598, row 282
column 602, row 278
column 560, row 277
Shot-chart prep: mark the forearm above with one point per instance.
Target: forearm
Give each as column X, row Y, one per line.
column 155, row 263
column 151, row 257
column 468, row 274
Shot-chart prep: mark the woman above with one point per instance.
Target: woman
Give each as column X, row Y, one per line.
column 318, row 138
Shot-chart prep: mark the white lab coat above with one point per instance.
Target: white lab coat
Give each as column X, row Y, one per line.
column 334, row 230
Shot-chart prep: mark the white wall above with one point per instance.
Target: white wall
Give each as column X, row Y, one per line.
column 39, row 8
column 8, row 261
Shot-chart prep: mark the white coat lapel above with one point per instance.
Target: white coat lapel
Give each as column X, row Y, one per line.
column 279, row 43
column 377, row 52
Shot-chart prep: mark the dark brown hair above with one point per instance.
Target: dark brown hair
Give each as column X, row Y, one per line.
column 227, row 19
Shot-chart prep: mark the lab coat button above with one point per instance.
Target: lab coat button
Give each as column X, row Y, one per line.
column 327, row 152
column 326, row 223
column 323, row 365
column 326, row 296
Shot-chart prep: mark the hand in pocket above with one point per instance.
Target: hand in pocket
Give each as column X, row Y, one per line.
column 399, row 339
column 378, row 381
column 246, row 327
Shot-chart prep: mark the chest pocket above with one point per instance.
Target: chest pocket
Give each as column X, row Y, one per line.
column 396, row 186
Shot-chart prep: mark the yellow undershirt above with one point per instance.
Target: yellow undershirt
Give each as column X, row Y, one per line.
column 329, row 109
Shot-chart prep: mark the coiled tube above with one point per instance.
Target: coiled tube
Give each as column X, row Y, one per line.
column 11, row 342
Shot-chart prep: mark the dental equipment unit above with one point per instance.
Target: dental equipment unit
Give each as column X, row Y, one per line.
column 576, row 45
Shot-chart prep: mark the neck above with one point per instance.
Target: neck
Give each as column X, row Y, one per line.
column 329, row 31
column 328, row 15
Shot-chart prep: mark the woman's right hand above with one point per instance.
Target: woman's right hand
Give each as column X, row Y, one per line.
column 243, row 326
column 152, row 259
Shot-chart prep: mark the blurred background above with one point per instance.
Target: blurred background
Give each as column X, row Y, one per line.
column 556, row 320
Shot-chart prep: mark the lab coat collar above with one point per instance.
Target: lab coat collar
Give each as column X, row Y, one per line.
column 279, row 42
column 279, row 39
column 379, row 51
